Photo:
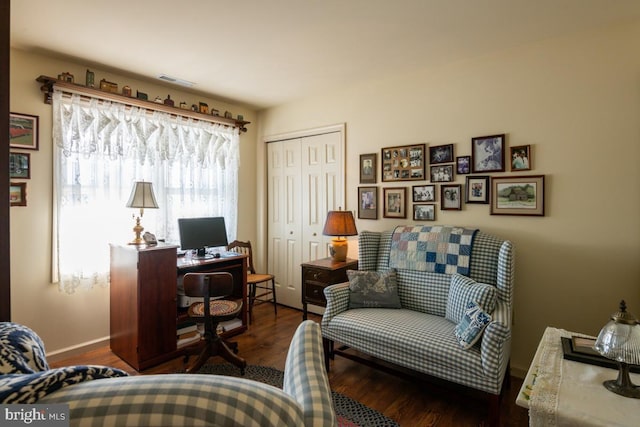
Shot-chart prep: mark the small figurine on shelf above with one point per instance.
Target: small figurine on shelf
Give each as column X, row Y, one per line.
column 108, row 86
column 194, row 107
column 169, row 101
column 228, row 115
column 204, row 108
column 66, row 77
column 90, row 78
column 141, row 95
column 215, row 112
column 158, row 100
column 184, row 105
column 240, row 118
column 126, row 91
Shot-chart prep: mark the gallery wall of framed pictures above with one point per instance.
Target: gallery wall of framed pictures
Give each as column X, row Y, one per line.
column 23, row 135
column 436, row 171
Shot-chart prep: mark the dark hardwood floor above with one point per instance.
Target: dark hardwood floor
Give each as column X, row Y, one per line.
column 410, row 402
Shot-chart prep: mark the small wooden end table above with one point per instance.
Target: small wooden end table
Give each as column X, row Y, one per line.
column 317, row 275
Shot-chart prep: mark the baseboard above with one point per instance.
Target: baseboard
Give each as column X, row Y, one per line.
column 518, row 372
column 75, row 350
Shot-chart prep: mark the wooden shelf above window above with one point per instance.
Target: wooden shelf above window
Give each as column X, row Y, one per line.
column 49, row 83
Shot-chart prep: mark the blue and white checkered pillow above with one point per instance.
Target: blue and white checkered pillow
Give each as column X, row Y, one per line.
column 470, row 328
column 464, row 290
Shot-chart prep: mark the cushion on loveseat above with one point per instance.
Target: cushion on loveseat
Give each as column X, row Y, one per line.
column 472, row 325
column 373, row 289
column 464, row 290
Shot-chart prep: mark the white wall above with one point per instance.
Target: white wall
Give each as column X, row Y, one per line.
column 576, row 101
column 64, row 320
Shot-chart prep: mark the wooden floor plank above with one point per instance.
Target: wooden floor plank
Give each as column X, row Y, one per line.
column 410, row 403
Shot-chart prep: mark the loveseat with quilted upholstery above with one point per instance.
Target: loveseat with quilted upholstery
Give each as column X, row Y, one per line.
column 103, row 396
column 439, row 303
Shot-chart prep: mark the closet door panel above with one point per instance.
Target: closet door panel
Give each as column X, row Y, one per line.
column 305, row 181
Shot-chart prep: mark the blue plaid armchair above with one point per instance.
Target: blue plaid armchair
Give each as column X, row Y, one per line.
column 102, row 396
column 421, row 334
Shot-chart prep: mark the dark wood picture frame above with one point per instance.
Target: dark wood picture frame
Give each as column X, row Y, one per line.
column 441, row 154
column 478, row 189
column 463, row 165
column 23, row 131
column 18, row 194
column 368, row 202
column 395, row 202
column 19, row 165
column 451, row 197
column 368, row 167
column 403, row 163
column 423, row 193
column 441, row 173
column 517, row 195
column 424, row 212
column 520, row 158
column 487, row 153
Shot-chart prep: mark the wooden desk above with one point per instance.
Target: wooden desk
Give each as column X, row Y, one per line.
column 143, row 300
column 560, row 392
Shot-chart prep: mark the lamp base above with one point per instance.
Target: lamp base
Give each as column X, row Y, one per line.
column 623, row 385
column 138, row 229
column 338, row 249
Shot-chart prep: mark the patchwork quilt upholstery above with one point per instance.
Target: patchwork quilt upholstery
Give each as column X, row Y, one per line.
column 419, row 336
column 438, row 249
column 209, row 400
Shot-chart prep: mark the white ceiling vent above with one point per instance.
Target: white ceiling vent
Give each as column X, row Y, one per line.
column 176, row 81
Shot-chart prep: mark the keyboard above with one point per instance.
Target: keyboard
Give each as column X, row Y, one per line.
column 227, row 254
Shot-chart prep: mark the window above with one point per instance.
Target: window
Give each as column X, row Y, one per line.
column 100, row 149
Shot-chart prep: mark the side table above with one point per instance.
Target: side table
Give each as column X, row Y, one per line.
column 317, row 275
column 560, row 392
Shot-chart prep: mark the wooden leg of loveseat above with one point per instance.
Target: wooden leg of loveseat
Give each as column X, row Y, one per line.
column 494, row 410
column 327, row 345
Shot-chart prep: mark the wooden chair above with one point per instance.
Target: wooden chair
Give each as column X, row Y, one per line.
column 262, row 286
column 213, row 288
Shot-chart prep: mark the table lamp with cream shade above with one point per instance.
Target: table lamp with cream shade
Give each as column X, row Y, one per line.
column 339, row 224
column 620, row 340
column 141, row 197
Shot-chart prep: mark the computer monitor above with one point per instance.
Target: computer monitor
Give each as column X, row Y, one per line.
column 202, row 233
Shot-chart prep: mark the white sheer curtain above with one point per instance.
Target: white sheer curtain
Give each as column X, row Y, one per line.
column 100, row 149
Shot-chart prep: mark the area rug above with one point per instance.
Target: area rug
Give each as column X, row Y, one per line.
column 351, row 413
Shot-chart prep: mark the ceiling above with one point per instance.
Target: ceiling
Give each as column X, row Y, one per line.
column 265, row 53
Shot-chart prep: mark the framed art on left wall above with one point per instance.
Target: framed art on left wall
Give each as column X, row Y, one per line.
column 23, row 131
column 18, row 194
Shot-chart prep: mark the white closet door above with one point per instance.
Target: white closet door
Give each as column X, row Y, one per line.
column 285, row 222
column 305, row 180
column 322, row 192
